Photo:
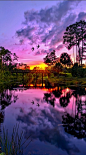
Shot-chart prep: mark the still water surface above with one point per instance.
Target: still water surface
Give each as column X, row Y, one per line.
column 54, row 119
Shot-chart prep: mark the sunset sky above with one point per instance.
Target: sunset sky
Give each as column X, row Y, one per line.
column 25, row 24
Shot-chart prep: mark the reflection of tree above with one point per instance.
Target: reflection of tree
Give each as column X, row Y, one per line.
column 6, row 98
column 76, row 125
column 79, row 91
column 1, row 116
column 81, row 105
column 57, row 93
column 49, row 97
column 64, row 100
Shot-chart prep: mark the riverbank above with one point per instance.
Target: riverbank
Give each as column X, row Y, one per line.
column 68, row 81
column 8, row 80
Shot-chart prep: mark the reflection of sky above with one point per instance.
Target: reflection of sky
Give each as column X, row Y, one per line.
column 42, row 124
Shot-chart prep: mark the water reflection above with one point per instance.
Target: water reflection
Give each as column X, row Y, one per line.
column 6, row 98
column 44, row 126
column 41, row 112
column 49, row 98
column 64, row 100
column 76, row 125
column 2, row 115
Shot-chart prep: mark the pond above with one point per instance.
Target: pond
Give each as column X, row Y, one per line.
column 53, row 119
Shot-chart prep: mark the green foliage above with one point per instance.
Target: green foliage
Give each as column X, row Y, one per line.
column 58, row 67
column 6, row 59
column 2, row 153
column 68, row 74
column 78, row 71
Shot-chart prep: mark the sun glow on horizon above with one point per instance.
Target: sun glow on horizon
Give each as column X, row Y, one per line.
column 42, row 66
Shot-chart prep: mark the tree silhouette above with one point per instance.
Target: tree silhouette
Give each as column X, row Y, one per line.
column 75, row 35
column 50, row 58
column 15, row 57
column 6, row 57
column 47, row 60
column 65, row 59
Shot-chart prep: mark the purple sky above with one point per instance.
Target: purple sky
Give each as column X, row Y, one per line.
column 25, row 24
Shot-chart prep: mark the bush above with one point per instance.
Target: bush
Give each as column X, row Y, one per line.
column 78, row 71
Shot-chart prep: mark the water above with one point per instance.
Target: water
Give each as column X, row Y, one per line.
column 54, row 119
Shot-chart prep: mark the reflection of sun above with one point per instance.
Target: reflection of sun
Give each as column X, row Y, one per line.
column 67, row 89
column 41, row 66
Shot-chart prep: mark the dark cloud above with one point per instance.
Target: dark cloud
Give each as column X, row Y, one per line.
column 37, row 53
column 37, row 99
column 49, row 15
column 41, row 52
column 28, row 33
column 81, row 16
column 48, row 25
column 60, row 47
column 44, row 51
column 50, row 50
column 21, row 41
column 59, row 30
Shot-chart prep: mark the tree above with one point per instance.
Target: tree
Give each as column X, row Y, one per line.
column 75, row 35
column 65, row 59
column 15, row 57
column 58, row 67
column 78, row 71
column 6, row 57
column 50, row 58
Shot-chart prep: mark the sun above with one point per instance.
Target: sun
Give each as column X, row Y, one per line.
column 42, row 66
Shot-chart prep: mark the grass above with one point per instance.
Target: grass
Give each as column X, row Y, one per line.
column 13, row 146
column 68, row 81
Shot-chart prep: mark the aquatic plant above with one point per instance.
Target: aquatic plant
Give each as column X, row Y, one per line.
column 13, row 146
